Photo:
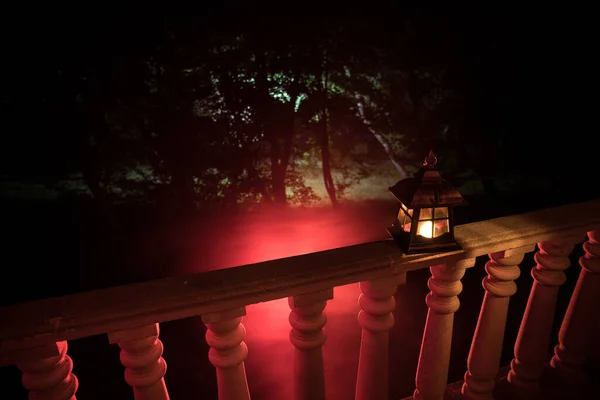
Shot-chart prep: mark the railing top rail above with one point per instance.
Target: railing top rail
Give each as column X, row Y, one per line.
column 100, row 311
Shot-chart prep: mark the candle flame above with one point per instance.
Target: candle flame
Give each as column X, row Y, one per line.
column 425, row 229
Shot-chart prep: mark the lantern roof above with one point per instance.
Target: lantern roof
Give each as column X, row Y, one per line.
column 427, row 188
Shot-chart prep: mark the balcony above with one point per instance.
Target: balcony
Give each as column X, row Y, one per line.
column 34, row 336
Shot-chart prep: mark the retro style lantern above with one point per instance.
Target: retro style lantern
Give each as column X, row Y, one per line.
column 425, row 222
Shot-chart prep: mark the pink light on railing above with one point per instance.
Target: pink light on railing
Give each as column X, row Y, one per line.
column 270, row 363
column 271, row 235
column 279, row 239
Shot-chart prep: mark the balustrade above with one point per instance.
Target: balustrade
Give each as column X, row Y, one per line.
column 307, row 320
column 484, row 358
column 225, row 336
column 47, row 372
column 532, row 343
column 377, row 303
column 141, row 354
column 35, row 337
column 434, row 360
column 575, row 338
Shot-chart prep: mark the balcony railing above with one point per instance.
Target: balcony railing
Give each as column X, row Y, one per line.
column 34, row 335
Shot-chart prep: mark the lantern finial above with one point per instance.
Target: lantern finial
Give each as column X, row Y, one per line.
column 430, row 160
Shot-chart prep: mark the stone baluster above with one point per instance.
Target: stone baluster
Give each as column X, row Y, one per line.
column 225, row 336
column 307, row 320
column 47, row 372
column 434, row 360
column 531, row 346
column 376, row 318
column 141, row 354
column 576, row 334
column 486, row 348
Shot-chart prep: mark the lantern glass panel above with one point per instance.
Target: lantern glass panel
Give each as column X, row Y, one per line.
column 426, row 213
column 407, row 210
column 440, row 212
column 440, row 227
column 404, row 220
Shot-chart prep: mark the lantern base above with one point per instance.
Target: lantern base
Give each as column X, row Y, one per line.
column 440, row 244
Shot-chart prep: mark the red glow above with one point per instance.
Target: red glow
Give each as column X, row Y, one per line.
column 269, row 366
column 231, row 241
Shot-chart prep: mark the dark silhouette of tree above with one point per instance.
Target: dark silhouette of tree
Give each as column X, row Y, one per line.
column 192, row 116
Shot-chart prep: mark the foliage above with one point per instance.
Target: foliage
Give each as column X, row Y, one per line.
column 233, row 116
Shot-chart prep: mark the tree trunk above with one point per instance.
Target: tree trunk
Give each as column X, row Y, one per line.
column 386, row 147
column 278, row 170
column 280, row 159
column 324, row 134
column 326, row 159
column 281, row 152
column 279, row 136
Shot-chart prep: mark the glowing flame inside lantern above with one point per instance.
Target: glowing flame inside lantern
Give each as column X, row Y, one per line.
column 425, row 229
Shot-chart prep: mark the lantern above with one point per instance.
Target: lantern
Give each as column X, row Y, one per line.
column 425, row 220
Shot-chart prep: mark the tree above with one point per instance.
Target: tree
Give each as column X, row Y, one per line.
column 223, row 117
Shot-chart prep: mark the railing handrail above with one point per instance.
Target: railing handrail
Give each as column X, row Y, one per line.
column 123, row 307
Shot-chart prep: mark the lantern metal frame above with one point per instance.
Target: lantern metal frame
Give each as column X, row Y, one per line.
column 426, row 203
